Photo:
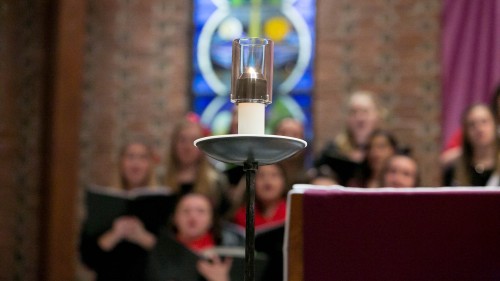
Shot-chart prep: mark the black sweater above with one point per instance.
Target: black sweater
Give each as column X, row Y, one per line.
column 127, row 261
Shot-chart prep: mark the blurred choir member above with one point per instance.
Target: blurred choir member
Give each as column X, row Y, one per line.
column 188, row 169
column 121, row 252
column 270, row 215
column 196, row 231
column 479, row 156
column 453, row 148
column 322, row 175
column 380, row 146
column 400, row 171
column 270, row 204
column 295, row 166
column 348, row 149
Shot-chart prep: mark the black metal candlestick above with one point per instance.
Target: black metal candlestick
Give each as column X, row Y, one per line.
column 250, row 168
column 250, row 151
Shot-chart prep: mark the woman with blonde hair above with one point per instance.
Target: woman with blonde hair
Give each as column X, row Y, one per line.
column 363, row 117
column 347, row 150
column 120, row 252
column 188, row 169
column 136, row 165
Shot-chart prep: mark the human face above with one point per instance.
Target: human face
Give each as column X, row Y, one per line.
column 362, row 117
column 136, row 165
column 480, row 127
column 380, row 149
column 269, row 184
column 290, row 128
column 187, row 154
column 193, row 217
column 401, row 172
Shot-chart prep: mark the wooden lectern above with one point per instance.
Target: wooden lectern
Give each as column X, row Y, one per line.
column 338, row 233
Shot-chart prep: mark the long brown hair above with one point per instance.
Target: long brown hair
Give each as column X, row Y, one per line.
column 286, row 187
column 462, row 176
column 119, row 180
column 387, row 163
column 206, row 176
column 215, row 228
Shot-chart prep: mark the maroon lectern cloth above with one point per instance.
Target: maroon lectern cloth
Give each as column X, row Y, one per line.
column 446, row 235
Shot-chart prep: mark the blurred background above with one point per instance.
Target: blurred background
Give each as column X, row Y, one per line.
column 77, row 77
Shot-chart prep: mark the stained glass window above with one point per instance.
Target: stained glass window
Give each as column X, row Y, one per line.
column 289, row 23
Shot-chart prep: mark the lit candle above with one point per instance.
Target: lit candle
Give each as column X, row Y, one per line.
column 252, row 89
column 251, row 83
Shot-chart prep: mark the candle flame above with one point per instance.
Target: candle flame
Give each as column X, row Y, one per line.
column 252, row 72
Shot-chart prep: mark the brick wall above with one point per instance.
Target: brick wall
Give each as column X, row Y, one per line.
column 390, row 47
column 136, row 77
column 22, row 62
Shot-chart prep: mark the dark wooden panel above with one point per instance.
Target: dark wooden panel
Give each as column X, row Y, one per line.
column 22, row 60
column 296, row 240
column 64, row 87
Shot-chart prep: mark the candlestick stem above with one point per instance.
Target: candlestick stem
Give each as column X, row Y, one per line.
column 250, row 168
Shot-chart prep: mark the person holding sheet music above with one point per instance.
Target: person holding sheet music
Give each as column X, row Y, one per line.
column 119, row 251
column 479, row 158
column 188, row 169
column 187, row 250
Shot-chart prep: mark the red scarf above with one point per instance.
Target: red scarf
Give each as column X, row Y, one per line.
column 204, row 242
column 278, row 216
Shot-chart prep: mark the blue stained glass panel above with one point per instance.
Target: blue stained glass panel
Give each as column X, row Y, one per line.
column 289, row 23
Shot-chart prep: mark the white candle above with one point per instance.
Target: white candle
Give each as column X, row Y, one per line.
column 251, row 118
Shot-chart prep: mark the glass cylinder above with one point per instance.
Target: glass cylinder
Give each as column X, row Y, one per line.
column 252, row 71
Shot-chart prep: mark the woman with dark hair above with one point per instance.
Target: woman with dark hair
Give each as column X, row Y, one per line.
column 400, row 170
column 179, row 254
column 270, row 214
column 480, row 144
column 270, row 204
column 381, row 145
column 453, row 148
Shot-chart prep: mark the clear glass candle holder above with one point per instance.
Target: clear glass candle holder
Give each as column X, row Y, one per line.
column 252, row 82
